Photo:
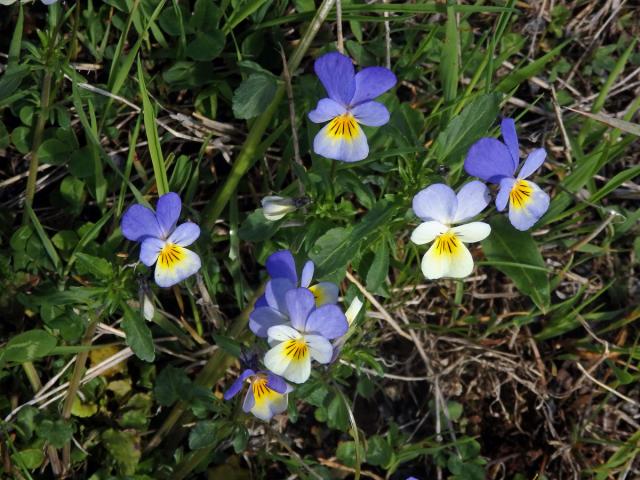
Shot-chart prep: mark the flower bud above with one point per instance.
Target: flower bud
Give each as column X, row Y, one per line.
column 274, row 207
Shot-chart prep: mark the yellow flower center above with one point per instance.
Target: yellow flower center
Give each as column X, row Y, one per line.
column 260, row 388
column 447, row 244
column 520, row 194
column 344, row 126
column 296, row 349
column 170, row 255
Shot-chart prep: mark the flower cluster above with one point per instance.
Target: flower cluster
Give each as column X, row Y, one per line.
column 301, row 323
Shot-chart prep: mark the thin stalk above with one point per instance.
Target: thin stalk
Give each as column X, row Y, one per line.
column 247, row 155
column 74, row 385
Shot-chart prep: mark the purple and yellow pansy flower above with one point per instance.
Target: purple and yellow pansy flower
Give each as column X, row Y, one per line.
column 162, row 242
column 266, row 396
column 443, row 213
column 307, row 337
column 496, row 162
column 350, row 103
column 271, row 308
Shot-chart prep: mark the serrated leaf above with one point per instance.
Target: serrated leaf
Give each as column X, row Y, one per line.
column 138, row 335
column 516, row 254
column 203, row 435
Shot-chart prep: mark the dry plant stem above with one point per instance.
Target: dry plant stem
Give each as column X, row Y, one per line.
column 292, row 115
column 387, row 38
column 74, row 385
column 339, row 26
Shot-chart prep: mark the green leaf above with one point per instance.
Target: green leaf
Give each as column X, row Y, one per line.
column 256, row 228
column 96, row 266
column 29, row 346
column 57, row 433
column 72, row 190
column 29, row 458
column 254, row 95
column 203, row 435
column 170, row 386
column 473, row 123
column 337, row 414
column 124, row 448
column 377, row 273
column 516, row 254
column 379, row 452
column 138, row 335
column 449, row 58
column 54, row 151
column 206, row 46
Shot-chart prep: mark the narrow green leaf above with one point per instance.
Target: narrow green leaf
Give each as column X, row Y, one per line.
column 449, row 59
column 46, row 242
column 138, row 335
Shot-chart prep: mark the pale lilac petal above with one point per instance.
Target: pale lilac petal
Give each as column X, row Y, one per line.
column 336, row 73
column 344, row 148
column 510, row 137
column 472, row 232
column 282, row 265
column 328, row 321
column 326, row 110
column 372, row 114
column 263, row 318
column 371, row 82
column 325, row 293
column 532, row 163
column 307, row 274
column 436, row 202
column 149, row 250
column 139, row 222
column 502, row 199
column 238, row 384
column 490, row 160
column 249, row 401
column 276, row 383
column 300, row 302
column 185, row 234
column 525, row 217
column 473, row 197
column 168, row 212
column 275, row 291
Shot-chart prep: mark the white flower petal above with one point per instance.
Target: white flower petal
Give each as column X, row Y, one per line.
column 472, row 232
column 426, row 232
column 282, row 333
column 447, row 259
column 320, row 348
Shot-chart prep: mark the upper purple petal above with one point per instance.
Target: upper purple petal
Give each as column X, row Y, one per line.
column 263, row 318
column 275, row 292
column 372, row 114
column 436, row 202
column 168, row 212
column 328, row 321
column 502, row 199
column 185, row 234
column 371, row 82
column 532, row 163
column 139, row 222
column 510, row 137
column 274, row 382
column 336, row 73
column 473, row 197
column 282, row 265
column 300, row 302
column 307, row 274
column 326, row 110
column 489, row 159
column 237, row 385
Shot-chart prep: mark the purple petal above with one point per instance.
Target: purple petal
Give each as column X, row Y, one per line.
column 525, row 217
column 325, row 293
column 510, row 137
column 275, row 292
column 372, row 114
column 328, row 321
column 274, row 382
column 489, row 159
column 185, row 234
column 436, row 202
column 532, row 163
column 139, row 222
column 502, row 199
column 237, row 385
column 473, row 197
column 261, row 302
column 282, row 265
column 300, row 302
column 307, row 274
column 371, row 82
column 336, row 73
column 249, row 401
column 149, row 250
column 168, row 212
column 343, row 148
column 263, row 318
column 326, row 110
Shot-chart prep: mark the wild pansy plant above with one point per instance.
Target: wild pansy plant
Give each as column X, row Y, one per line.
column 271, row 308
column 307, row 337
column 266, row 396
column 350, row 103
column 162, row 243
column 496, row 162
column 440, row 209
